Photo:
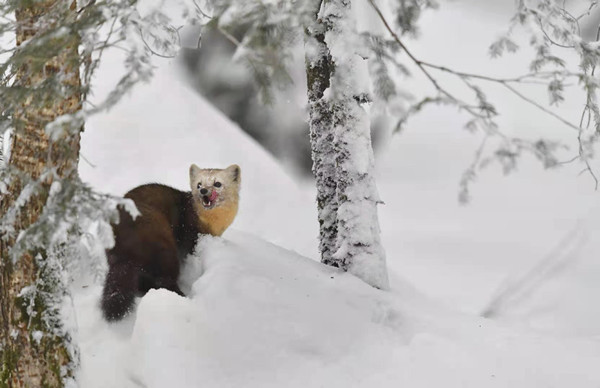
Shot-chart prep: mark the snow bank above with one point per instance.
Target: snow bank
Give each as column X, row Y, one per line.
column 262, row 316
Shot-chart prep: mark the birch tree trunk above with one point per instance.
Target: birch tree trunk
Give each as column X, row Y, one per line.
column 34, row 349
column 341, row 143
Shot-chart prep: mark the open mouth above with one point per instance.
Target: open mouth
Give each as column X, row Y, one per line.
column 209, row 201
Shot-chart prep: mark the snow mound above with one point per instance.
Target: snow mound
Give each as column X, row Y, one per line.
column 258, row 315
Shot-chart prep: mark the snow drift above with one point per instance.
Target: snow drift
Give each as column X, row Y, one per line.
column 262, row 316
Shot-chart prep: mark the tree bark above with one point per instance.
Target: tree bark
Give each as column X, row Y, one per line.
column 34, row 349
column 319, row 68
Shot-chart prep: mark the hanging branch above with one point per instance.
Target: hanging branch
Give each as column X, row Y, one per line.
column 505, row 82
column 485, row 112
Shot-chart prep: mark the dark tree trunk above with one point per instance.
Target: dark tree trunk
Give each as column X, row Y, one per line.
column 319, row 68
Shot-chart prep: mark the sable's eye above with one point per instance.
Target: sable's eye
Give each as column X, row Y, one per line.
column 217, row 184
column 199, row 184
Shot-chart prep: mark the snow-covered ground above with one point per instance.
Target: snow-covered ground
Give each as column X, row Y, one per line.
column 259, row 315
column 262, row 312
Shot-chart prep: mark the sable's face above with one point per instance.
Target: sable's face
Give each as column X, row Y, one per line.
column 212, row 187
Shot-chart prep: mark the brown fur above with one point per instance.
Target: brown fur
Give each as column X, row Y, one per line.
column 148, row 250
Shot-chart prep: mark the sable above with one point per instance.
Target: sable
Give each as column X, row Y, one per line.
column 149, row 250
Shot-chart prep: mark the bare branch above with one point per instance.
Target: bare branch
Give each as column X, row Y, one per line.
column 589, row 10
column 540, row 107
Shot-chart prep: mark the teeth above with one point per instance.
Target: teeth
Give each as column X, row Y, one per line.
column 207, row 202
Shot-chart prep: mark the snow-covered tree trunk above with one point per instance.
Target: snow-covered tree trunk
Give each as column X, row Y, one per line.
column 319, row 67
column 342, row 151
column 35, row 350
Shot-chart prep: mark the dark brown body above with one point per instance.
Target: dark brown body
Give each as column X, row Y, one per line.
column 148, row 250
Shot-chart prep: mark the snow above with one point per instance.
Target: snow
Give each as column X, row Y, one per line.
column 262, row 316
column 261, row 312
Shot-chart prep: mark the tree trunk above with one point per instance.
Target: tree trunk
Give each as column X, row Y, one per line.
column 319, row 68
column 35, row 350
column 343, row 158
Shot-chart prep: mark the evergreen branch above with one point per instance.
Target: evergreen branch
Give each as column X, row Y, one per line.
column 507, row 83
column 422, row 65
column 90, row 66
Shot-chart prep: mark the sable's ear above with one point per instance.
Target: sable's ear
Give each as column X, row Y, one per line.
column 234, row 169
column 194, row 170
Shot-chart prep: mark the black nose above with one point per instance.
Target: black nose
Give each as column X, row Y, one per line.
column 203, row 191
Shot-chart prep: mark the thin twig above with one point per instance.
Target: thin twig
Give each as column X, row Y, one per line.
column 569, row 161
column 86, row 160
column 573, row 18
column 541, row 24
column 530, row 101
column 150, row 48
column 519, row 79
column 505, row 82
column 201, row 11
column 589, row 10
column 585, row 160
column 421, row 66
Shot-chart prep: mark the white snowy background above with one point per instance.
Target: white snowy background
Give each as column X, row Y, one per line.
column 262, row 312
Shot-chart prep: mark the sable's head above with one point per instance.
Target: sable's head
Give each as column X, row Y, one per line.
column 213, row 187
